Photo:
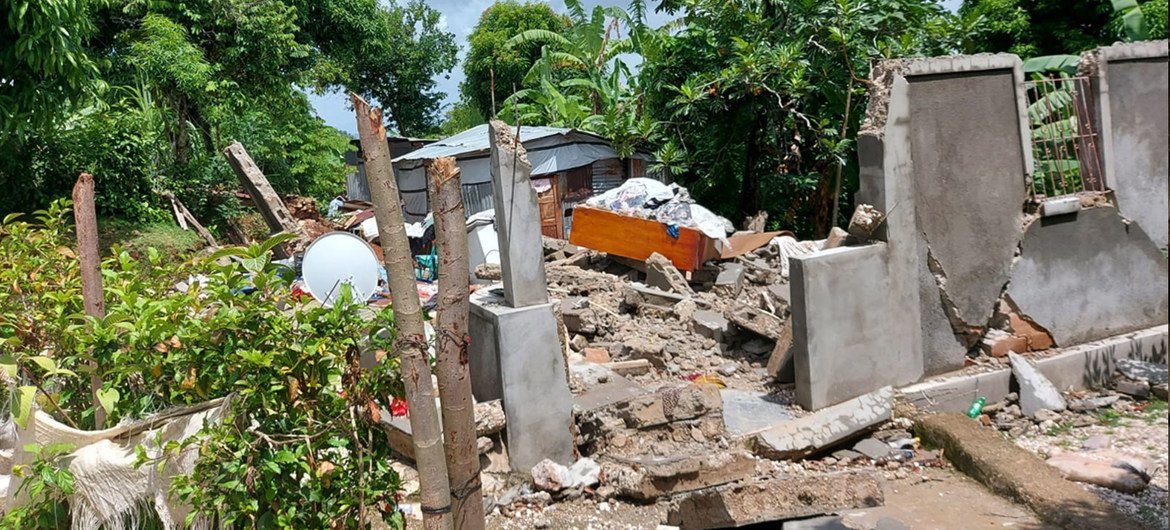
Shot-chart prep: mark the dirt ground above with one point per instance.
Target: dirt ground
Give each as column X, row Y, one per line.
column 933, row 499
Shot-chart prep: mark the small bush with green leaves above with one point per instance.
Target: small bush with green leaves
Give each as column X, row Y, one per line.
column 301, row 445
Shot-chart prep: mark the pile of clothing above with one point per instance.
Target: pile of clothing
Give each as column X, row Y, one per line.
column 669, row 204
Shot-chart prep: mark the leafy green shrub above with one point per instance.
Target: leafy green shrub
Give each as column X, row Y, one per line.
column 301, row 446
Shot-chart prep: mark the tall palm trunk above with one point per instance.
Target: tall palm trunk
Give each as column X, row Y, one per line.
column 410, row 340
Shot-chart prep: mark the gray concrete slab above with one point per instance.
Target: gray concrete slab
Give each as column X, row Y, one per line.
column 822, row 429
column 1089, row 276
column 531, row 374
column 746, row 412
column 517, row 220
column 848, row 336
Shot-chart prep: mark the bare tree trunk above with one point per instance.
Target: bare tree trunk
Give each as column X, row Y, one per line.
column 90, row 262
column 451, row 349
column 410, row 340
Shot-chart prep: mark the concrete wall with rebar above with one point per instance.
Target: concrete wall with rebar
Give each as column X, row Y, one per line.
column 974, row 253
column 1130, row 82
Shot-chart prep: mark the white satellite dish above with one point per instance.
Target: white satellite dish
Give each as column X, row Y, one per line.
column 339, row 258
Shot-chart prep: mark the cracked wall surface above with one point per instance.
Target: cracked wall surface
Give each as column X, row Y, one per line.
column 1090, row 275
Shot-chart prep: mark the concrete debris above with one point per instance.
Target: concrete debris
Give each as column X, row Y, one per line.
column 873, row 449
column 865, row 221
column 1143, row 371
column 651, row 477
column 729, row 282
column 1129, row 387
column 775, row 500
column 1120, row 475
column 489, row 272
column 553, row 477
column 661, row 273
column 826, row 427
column 837, row 238
column 1036, row 391
column 756, row 321
column 710, row 324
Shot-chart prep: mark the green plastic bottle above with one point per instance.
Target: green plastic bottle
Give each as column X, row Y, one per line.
column 976, row 407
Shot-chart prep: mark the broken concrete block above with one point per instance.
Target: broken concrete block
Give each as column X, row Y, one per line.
column 756, row 321
column 637, row 295
column 808, row 434
column 837, row 237
column 1036, row 391
column 617, row 390
column 661, row 273
column 643, row 412
column 649, row 350
column 729, row 282
column 865, row 221
column 685, row 309
column 1116, row 476
column 596, row 355
column 873, row 449
column 780, row 364
column 775, row 500
column 634, row 367
column 690, row 401
column 578, row 343
column 1143, row 371
column 489, row 271
column 710, row 324
column 652, row 477
column 1129, row 387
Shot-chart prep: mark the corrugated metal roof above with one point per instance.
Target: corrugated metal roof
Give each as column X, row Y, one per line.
column 475, row 140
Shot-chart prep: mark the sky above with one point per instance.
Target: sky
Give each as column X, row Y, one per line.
column 459, row 17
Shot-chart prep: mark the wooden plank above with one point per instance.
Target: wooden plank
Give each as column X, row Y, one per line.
column 635, row 238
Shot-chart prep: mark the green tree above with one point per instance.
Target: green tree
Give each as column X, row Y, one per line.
column 460, row 117
column 758, row 102
column 186, row 78
column 46, row 71
column 489, row 55
column 1030, row 28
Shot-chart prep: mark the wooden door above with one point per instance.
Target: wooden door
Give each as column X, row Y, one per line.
column 552, row 222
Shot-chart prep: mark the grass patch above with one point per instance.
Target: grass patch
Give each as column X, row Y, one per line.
column 135, row 237
column 1156, row 405
column 1109, row 417
column 1063, row 427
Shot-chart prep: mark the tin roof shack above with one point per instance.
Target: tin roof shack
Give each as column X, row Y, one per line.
column 357, row 186
column 568, row 165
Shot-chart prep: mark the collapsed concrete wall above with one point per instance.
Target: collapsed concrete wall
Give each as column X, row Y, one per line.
column 946, row 152
column 1129, row 82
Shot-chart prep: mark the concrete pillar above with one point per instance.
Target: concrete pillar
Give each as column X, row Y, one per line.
column 515, row 351
column 517, row 219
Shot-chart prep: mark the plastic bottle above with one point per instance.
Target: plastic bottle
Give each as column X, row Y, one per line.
column 976, row 407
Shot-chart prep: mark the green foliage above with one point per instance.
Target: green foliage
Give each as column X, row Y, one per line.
column 47, row 482
column 460, row 117
column 1030, row 28
column 301, row 446
column 187, row 78
column 757, row 103
column 488, row 52
column 46, row 71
